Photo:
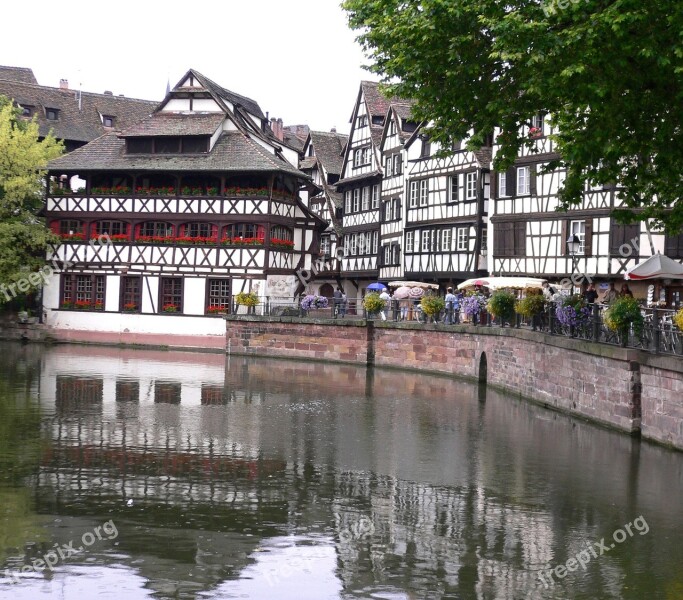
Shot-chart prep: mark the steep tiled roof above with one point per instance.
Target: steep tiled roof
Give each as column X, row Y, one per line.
column 233, row 151
column 293, row 141
column 235, row 99
column 21, row 74
column 377, row 103
column 328, row 148
column 77, row 123
column 163, row 124
column 308, row 163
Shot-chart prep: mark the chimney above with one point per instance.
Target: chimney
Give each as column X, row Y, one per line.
column 108, row 93
column 277, row 128
column 333, row 130
column 63, row 84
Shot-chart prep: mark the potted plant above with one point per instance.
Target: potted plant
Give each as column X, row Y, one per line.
column 216, row 309
column 313, row 302
column 82, row 305
column 169, row 308
column 372, row 304
column 66, row 305
column 623, row 314
column 531, row 307
column 130, row 307
column 572, row 311
column 432, row 306
column 501, row 305
column 248, row 299
column 472, row 305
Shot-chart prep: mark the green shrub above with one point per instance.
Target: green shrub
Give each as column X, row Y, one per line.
column 501, row 304
column 373, row 303
column 432, row 305
column 623, row 313
column 678, row 319
column 530, row 306
column 247, row 299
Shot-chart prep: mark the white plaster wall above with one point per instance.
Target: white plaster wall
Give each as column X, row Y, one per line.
column 135, row 323
column 205, row 105
column 194, row 296
column 177, row 105
column 150, row 294
column 112, row 292
column 51, row 292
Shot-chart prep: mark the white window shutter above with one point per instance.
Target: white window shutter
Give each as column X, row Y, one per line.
column 461, row 187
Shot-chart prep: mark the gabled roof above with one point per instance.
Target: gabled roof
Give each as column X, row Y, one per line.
column 20, row 74
column 398, row 113
column 328, row 147
column 233, row 152
column 80, row 113
column 172, row 124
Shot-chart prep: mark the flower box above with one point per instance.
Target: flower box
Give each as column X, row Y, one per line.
column 216, row 310
column 170, row 308
column 242, row 241
column 130, row 307
column 154, row 239
column 72, row 237
column 117, row 190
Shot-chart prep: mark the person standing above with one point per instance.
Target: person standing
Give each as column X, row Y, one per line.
column 591, row 294
column 387, row 298
column 337, row 299
column 611, row 294
column 450, row 305
column 625, row 291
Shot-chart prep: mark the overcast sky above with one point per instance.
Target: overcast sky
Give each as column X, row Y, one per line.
column 296, row 58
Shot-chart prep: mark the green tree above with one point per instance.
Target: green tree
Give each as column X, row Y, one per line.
column 610, row 72
column 24, row 239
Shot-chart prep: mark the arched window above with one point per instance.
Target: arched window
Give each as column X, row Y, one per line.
column 281, row 233
column 198, row 230
column 244, row 233
column 146, row 232
column 116, row 230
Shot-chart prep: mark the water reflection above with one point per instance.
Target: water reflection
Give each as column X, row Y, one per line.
column 234, row 478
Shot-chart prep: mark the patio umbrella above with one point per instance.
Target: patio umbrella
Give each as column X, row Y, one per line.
column 658, row 266
column 496, row 283
column 472, row 283
column 416, row 292
column 412, row 284
column 376, row 287
column 402, row 292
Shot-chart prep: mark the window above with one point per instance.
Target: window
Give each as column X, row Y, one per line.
column 578, row 228
column 361, row 156
column 412, row 201
column 356, row 200
column 51, row 114
column 462, row 243
column 410, row 240
column 280, row 232
column 398, row 164
column 325, row 245
column 70, row 227
column 354, row 244
column 387, row 210
column 131, row 294
column 471, row 186
column 347, row 202
column 426, row 148
column 361, row 121
column 386, row 254
column 170, row 295
column 424, row 188
column 484, row 241
column 156, row 229
column 537, row 122
column 426, row 240
column 205, row 230
column 375, row 241
column 27, row 111
column 366, row 198
column 453, row 188
column 392, row 127
column 626, row 236
column 311, row 152
column 378, row 119
column 167, row 145
column 218, row 295
column 510, row 239
column 502, row 185
column 83, row 291
column 446, row 240
column 195, row 145
column 396, row 254
column 345, row 240
column 111, row 228
column 375, row 196
column 139, row 145
column 388, row 168
column 242, row 231
column 674, row 245
column 107, row 121
column 523, row 181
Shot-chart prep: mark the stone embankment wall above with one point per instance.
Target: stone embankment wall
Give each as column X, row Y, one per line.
column 623, row 388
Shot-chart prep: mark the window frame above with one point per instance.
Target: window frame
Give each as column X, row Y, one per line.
column 471, row 185
column 462, row 239
column 526, row 188
column 164, row 295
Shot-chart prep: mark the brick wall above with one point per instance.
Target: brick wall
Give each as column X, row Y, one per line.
column 619, row 387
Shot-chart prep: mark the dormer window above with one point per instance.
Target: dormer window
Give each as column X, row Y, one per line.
column 311, row 152
column 168, row 145
column 107, row 120
column 378, row 120
column 27, row 111
column 52, row 114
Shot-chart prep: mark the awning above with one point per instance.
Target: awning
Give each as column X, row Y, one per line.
column 658, row 266
column 495, row 283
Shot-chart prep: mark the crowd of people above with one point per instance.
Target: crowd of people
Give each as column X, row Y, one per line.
column 591, row 294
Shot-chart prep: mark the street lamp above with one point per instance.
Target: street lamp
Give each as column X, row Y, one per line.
column 573, row 245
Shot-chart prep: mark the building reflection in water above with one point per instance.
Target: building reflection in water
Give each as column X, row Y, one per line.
column 280, row 479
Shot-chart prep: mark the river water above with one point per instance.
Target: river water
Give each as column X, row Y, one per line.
column 148, row 474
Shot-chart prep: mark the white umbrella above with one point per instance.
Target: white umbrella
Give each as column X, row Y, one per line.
column 416, row 292
column 496, row 283
column 413, row 284
column 402, row 292
column 658, row 266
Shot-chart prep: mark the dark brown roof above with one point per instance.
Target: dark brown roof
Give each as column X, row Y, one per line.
column 293, row 141
column 165, row 124
column 308, row 162
column 328, row 147
column 235, row 99
column 377, row 104
column 21, row 74
column 76, row 123
column 233, row 152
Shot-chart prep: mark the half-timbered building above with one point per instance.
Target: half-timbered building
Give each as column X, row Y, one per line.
column 360, row 184
column 179, row 213
column 398, row 128
column 324, row 152
column 530, row 236
column 445, row 237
